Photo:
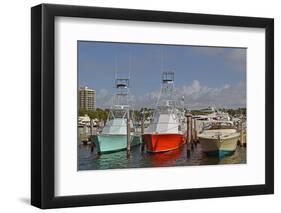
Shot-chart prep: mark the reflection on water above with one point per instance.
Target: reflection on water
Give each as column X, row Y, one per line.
column 88, row 160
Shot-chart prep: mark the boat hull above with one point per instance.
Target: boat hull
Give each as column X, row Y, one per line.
column 220, row 148
column 162, row 142
column 113, row 143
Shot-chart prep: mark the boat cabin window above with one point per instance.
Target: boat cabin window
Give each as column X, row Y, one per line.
column 118, row 114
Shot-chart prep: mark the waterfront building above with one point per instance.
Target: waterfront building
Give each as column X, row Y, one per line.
column 87, row 98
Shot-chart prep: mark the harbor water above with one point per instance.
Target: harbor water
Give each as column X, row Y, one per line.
column 88, row 160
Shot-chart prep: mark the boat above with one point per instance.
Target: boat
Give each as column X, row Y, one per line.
column 219, row 139
column 164, row 132
column 208, row 116
column 113, row 137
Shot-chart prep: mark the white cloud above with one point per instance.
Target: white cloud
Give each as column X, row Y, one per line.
column 195, row 95
column 103, row 98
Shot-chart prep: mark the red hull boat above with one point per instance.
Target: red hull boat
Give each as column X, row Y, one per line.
column 164, row 133
column 163, row 142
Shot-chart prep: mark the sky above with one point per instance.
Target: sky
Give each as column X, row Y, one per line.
column 204, row 76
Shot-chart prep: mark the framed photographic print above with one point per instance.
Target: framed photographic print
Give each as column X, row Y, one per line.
column 139, row 106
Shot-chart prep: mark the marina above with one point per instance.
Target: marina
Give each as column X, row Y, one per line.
column 168, row 135
column 157, row 105
column 191, row 153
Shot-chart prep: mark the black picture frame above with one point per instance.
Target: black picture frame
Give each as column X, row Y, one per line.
column 43, row 105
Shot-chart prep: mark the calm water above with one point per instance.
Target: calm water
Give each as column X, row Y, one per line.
column 91, row 160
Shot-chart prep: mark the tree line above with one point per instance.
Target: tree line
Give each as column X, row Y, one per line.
column 233, row 112
column 138, row 115
column 102, row 114
column 99, row 114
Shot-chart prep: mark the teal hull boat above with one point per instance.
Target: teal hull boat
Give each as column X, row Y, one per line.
column 113, row 143
column 113, row 137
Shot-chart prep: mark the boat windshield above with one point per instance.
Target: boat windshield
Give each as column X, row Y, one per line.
column 117, row 113
column 221, row 125
column 165, row 109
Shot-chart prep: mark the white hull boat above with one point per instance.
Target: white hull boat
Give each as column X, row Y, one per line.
column 219, row 140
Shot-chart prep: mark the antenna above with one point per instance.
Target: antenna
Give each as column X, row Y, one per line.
column 162, row 60
column 115, row 68
column 130, row 64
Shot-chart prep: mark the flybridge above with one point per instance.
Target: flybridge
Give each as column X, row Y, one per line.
column 167, row 90
column 122, row 106
column 122, row 82
column 168, row 77
column 122, row 86
column 122, row 92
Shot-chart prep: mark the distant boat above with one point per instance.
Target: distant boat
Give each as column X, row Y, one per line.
column 220, row 139
column 164, row 133
column 113, row 137
column 208, row 110
column 208, row 116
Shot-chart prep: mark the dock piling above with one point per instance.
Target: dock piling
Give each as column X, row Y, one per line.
column 195, row 131
column 91, row 127
column 187, row 151
column 192, row 146
column 128, row 135
column 92, row 147
column 188, row 135
column 242, row 142
column 142, row 131
column 85, row 130
column 189, row 128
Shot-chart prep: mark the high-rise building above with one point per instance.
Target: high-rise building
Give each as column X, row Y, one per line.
column 87, row 98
